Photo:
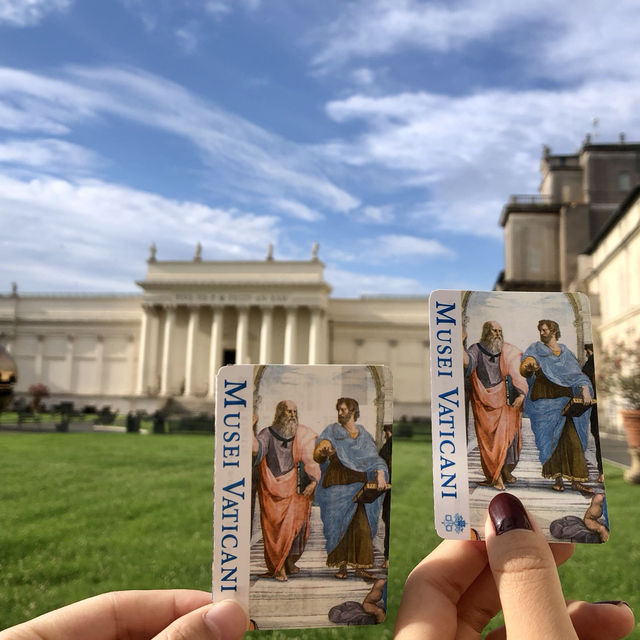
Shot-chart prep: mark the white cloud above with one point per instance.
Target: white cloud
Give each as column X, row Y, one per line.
column 297, row 210
column 49, row 154
column 363, row 76
column 347, row 284
column 98, row 228
column 367, row 28
column 26, row 13
column 470, row 150
column 376, row 215
column 187, row 38
column 582, row 39
column 401, row 247
column 247, row 159
column 218, row 8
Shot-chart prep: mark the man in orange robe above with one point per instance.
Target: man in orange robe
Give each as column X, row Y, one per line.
column 497, row 421
column 288, row 475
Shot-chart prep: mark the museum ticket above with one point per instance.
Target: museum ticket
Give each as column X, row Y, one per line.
column 514, row 408
column 302, row 488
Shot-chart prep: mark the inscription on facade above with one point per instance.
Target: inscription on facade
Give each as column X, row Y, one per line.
column 184, row 297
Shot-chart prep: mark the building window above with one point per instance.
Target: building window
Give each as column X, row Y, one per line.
column 624, row 181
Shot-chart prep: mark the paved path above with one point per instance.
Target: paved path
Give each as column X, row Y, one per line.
column 305, row 599
column 534, row 490
column 615, row 450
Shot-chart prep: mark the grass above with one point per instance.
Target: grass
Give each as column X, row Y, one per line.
column 84, row 513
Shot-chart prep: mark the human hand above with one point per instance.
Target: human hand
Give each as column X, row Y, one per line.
column 380, row 480
column 134, row 615
column 324, row 449
column 461, row 585
column 310, row 488
column 586, row 395
column 518, row 402
column 529, row 366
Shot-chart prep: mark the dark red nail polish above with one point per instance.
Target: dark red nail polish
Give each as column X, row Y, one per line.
column 616, row 602
column 507, row 513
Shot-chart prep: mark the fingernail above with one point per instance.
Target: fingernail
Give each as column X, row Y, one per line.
column 507, row 513
column 227, row 619
column 616, row 602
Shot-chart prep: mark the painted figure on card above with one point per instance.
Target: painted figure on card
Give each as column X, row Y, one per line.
column 349, row 459
column 555, row 378
column 496, row 392
column 288, row 475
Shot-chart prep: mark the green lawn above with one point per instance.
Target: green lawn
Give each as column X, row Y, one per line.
column 85, row 513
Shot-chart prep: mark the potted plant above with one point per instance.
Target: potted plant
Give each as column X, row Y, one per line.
column 37, row 391
column 619, row 375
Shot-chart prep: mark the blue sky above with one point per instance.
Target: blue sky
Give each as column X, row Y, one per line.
column 389, row 131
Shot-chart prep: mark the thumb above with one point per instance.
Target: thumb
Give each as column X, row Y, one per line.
column 525, row 574
column 226, row 620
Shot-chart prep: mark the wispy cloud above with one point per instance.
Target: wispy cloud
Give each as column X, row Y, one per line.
column 367, row 28
column 403, row 247
column 297, row 210
column 187, row 37
column 581, row 38
column 48, row 154
column 27, row 13
column 348, row 284
column 376, row 214
column 469, row 150
column 100, row 227
column 251, row 159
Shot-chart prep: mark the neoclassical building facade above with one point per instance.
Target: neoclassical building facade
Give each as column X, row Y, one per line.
column 192, row 317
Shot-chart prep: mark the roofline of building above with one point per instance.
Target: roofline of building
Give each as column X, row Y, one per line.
column 530, row 207
column 610, row 146
column 268, row 261
column 632, row 196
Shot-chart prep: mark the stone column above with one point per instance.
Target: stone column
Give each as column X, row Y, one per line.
column 290, row 335
column 242, row 336
column 131, row 357
column 166, row 350
column 100, row 363
column 68, row 362
column 215, row 349
column 143, row 352
column 191, row 340
column 265, row 335
column 152, row 376
column 37, row 365
column 315, row 336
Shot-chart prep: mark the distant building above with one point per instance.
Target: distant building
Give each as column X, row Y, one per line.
column 137, row 351
column 545, row 233
column 581, row 232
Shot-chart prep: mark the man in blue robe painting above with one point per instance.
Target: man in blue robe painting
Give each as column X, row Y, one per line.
column 348, row 459
column 554, row 377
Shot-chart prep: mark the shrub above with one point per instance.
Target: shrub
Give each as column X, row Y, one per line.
column 618, row 372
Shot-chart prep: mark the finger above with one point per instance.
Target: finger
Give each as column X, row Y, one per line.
column 136, row 614
column 601, row 620
column 481, row 602
column 592, row 621
column 428, row 610
column 525, row 573
column 226, row 620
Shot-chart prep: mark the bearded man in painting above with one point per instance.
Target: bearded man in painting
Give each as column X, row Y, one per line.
column 288, row 475
column 497, row 393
